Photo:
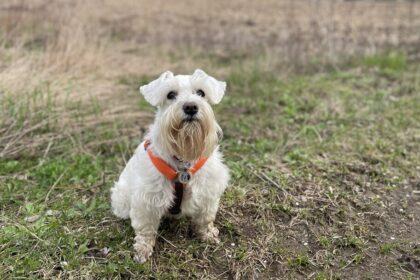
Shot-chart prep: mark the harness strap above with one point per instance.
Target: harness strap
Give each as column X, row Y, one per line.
column 198, row 165
column 160, row 164
column 179, row 193
column 172, row 176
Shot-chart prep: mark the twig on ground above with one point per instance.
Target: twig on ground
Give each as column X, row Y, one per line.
column 54, row 185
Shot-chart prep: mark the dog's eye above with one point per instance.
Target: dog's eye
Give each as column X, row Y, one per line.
column 200, row 92
column 171, row 95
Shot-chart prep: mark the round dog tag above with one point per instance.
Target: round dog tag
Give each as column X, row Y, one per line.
column 184, row 177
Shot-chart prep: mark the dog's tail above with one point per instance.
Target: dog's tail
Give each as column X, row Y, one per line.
column 120, row 201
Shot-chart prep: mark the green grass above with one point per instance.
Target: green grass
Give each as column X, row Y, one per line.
column 321, row 168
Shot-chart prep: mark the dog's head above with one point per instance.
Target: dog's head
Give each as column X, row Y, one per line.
column 185, row 120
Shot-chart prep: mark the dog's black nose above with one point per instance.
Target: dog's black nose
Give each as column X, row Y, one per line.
column 190, row 108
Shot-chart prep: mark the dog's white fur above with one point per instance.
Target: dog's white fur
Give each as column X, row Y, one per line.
column 142, row 193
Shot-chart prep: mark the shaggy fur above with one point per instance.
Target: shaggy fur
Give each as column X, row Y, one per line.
column 142, row 193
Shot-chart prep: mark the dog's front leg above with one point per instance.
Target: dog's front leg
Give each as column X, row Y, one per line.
column 204, row 221
column 145, row 221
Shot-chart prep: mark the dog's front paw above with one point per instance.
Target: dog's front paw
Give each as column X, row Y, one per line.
column 209, row 234
column 143, row 249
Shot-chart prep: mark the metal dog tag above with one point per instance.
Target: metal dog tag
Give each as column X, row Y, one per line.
column 184, row 177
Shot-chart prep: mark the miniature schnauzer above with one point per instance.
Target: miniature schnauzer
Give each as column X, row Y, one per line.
column 178, row 169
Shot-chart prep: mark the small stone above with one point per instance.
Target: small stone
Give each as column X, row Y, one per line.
column 32, row 219
column 52, row 213
column 105, row 251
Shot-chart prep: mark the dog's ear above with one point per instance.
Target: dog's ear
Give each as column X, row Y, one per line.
column 152, row 92
column 214, row 89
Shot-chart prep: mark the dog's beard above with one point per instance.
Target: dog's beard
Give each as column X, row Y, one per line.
column 189, row 139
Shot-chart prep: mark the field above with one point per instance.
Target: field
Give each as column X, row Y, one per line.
column 321, row 133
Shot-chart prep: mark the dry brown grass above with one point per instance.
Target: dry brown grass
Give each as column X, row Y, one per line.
column 80, row 50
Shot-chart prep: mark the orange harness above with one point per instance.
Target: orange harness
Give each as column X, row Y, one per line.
column 178, row 178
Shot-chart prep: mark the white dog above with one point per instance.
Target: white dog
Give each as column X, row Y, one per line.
column 178, row 169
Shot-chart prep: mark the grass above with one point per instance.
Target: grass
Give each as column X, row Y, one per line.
column 324, row 169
